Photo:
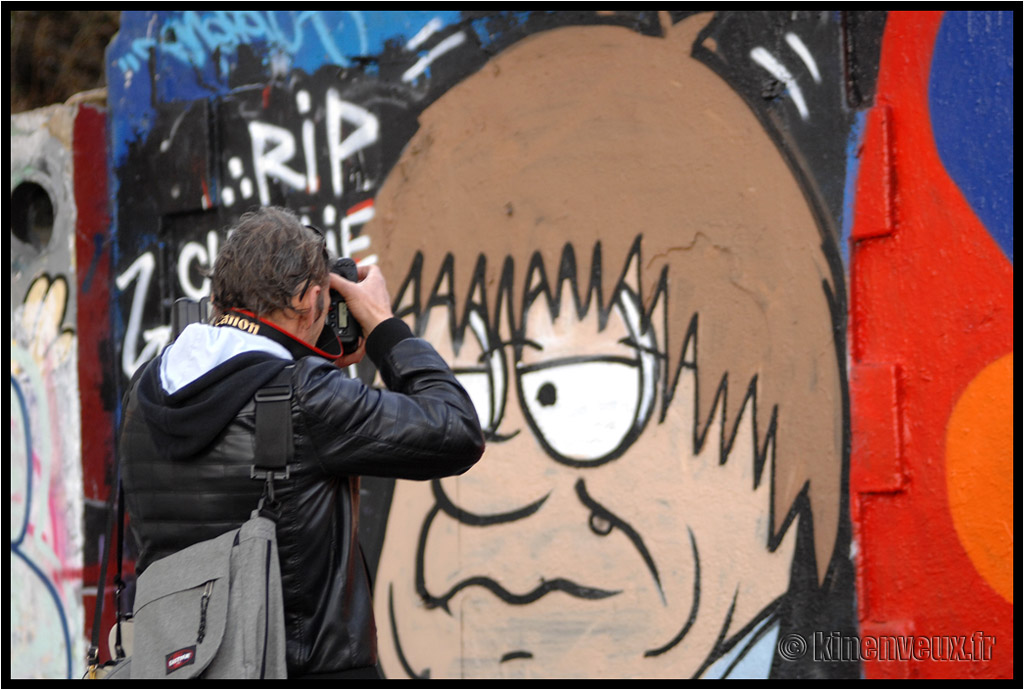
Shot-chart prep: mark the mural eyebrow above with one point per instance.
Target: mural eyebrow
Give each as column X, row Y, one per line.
column 518, row 343
column 629, row 342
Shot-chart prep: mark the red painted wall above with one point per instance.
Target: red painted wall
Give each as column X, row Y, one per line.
column 932, row 342
column 95, row 349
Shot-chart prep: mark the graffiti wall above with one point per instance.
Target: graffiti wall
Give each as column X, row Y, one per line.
column 45, row 470
column 731, row 291
column 932, row 344
column 62, row 406
column 625, row 232
column 653, row 297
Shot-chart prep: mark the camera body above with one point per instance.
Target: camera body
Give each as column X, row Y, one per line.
column 185, row 311
column 347, row 328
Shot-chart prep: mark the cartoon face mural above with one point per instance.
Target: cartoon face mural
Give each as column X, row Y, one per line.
column 621, row 228
column 628, row 279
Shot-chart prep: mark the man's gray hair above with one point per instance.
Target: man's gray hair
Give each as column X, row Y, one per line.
column 269, row 258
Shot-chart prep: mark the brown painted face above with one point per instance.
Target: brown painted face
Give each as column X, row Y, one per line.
column 588, row 542
column 617, row 524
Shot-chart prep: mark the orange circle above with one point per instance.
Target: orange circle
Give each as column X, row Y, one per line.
column 979, row 473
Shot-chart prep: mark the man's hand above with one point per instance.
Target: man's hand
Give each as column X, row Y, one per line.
column 368, row 300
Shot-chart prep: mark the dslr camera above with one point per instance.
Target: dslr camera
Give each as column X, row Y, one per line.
column 347, row 328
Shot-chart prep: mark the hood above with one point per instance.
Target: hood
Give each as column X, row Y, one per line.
column 195, row 388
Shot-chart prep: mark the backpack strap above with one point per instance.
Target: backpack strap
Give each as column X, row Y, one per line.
column 114, row 534
column 274, row 442
column 114, row 502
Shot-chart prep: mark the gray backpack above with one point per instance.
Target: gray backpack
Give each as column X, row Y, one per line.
column 215, row 609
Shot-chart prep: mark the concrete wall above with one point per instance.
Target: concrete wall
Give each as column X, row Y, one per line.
column 61, row 410
column 672, row 257
column 45, row 469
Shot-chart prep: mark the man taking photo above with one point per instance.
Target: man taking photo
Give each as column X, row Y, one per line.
column 188, row 432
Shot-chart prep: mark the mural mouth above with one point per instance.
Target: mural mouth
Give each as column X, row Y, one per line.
column 514, row 655
column 598, row 513
column 564, row 585
column 546, row 587
column 559, row 584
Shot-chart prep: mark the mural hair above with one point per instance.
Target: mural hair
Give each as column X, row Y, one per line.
column 691, row 195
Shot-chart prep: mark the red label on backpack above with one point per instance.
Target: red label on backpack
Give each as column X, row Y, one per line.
column 180, row 658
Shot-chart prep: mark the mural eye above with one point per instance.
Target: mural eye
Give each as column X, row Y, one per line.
column 582, row 409
column 547, row 395
column 478, row 382
column 485, row 382
column 587, row 410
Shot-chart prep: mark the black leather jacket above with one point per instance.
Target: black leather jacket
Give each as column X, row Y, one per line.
column 186, row 459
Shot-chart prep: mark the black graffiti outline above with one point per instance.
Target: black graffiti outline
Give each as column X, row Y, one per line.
column 400, row 652
column 475, row 520
column 616, row 522
column 768, row 615
column 398, row 643
column 694, row 607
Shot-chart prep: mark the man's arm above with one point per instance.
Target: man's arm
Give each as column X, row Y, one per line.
column 423, row 426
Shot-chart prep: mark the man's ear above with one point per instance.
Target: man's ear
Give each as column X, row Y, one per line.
column 309, row 302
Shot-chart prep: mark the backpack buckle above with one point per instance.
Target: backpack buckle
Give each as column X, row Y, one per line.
column 266, row 473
